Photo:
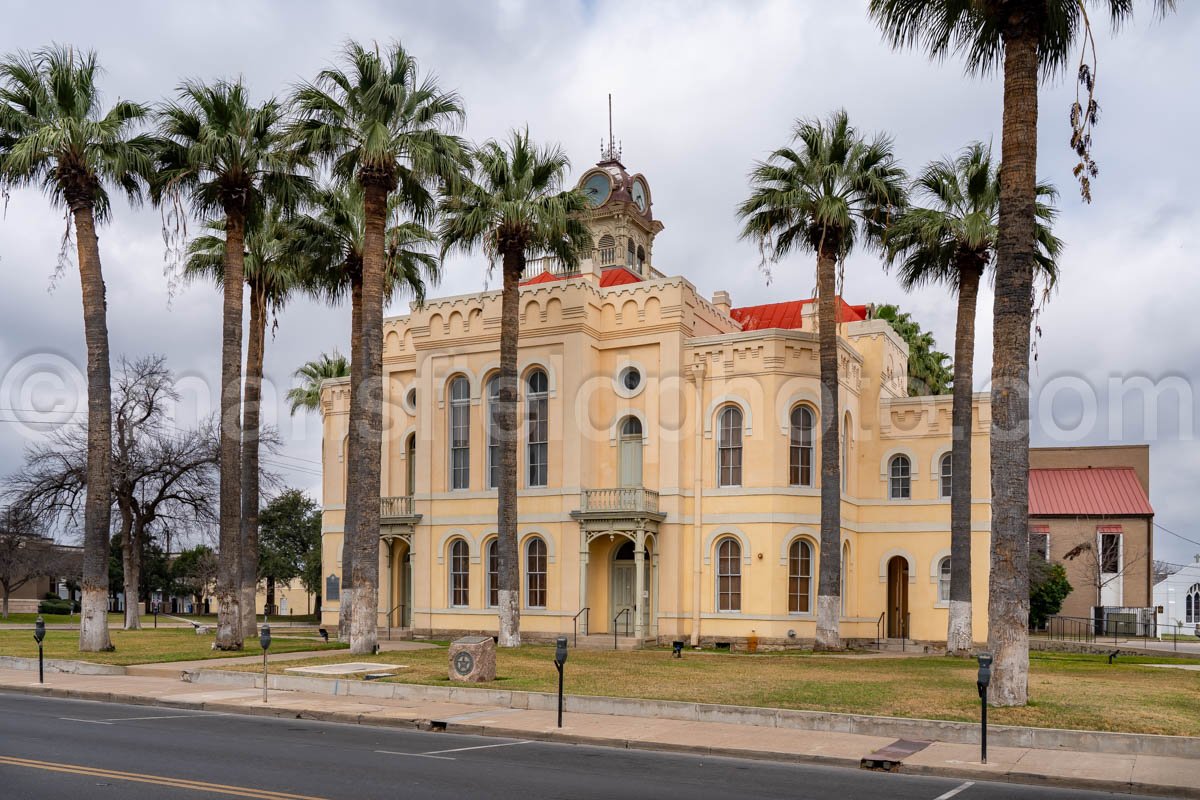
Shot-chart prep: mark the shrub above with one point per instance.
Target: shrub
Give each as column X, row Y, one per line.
column 55, row 606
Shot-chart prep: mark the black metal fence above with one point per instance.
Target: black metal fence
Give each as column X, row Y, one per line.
column 1116, row 626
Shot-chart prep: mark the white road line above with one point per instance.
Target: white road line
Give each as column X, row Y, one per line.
column 477, row 747
column 93, row 721
column 166, row 716
column 955, row 791
column 415, row 755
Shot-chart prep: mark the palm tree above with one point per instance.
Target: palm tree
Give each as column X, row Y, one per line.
column 307, row 395
column 515, row 208
column 272, row 272
column 952, row 241
column 224, row 156
column 1023, row 39
column 375, row 121
column 54, row 135
column 928, row 373
column 837, row 189
column 332, row 240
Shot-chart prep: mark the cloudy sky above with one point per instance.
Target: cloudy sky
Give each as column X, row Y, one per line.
column 700, row 90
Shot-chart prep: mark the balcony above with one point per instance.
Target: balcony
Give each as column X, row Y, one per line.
column 397, row 511
column 618, row 509
column 630, row 500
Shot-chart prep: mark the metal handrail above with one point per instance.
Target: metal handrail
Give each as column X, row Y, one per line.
column 879, row 631
column 625, row 612
column 575, row 623
column 389, row 619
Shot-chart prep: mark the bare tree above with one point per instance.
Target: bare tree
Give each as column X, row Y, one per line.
column 26, row 553
column 1106, row 567
column 160, row 473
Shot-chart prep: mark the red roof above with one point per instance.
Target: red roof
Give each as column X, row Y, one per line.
column 789, row 314
column 1090, row 492
column 615, row 276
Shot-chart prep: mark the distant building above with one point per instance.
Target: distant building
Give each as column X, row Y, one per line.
column 1178, row 595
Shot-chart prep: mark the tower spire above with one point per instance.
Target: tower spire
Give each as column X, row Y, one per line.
column 610, row 151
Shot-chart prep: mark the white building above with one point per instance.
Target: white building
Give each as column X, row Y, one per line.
column 1177, row 598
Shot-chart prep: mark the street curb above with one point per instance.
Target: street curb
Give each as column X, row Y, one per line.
column 593, row 741
column 1113, row 743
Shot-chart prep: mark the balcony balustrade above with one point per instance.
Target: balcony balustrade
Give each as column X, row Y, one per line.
column 620, row 500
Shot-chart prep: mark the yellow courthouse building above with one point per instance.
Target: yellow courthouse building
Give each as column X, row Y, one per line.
column 669, row 460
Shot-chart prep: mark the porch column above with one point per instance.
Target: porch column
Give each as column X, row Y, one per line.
column 583, row 571
column 391, row 592
column 639, row 559
column 653, row 606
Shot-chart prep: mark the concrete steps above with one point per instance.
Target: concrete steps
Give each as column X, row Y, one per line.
column 604, row 641
column 906, row 646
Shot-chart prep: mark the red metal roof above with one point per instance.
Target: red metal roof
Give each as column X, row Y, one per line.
column 615, row 276
column 1091, row 492
column 789, row 314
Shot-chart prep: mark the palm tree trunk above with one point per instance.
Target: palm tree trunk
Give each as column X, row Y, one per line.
column 829, row 592
column 350, row 524
column 366, row 428
column 1008, row 591
column 97, row 510
column 229, row 625
column 509, row 594
column 251, row 413
column 958, row 630
column 129, row 571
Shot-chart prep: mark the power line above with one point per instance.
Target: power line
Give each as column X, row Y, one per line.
column 1176, row 535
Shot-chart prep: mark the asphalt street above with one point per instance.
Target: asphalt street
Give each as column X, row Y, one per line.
column 52, row 748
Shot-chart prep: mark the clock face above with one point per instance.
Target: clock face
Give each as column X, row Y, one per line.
column 639, row 195
column 597, row 188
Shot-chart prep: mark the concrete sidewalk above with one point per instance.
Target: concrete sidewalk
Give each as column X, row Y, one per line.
column 1142, row 774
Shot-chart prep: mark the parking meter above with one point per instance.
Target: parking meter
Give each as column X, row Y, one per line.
column 39, row 633
column 985, row 673
column 981, row 683
column 560, row 658
column 264, row 641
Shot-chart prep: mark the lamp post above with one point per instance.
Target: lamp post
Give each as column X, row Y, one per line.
column 560, row 658
column 981, row 683
column 264, row 641
column 39, row 633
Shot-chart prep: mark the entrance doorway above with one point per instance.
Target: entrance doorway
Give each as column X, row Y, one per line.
column 897, row 592
column 623, row 594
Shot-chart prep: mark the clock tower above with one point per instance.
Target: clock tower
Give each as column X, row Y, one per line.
column 620, row 218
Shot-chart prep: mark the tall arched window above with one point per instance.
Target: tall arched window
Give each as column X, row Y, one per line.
column 460, row 433
column 900, row 478
column 641, row 258
column 729, row 447
column 460, row 573
column 845, row 470
column 493, row 573
column 729, row 575
column 630, row 254
column 800, row 581
column 537, row 408
column 535, row 573
column 947, row 474
column 608, row 250
column 493, row 431
column 800, row 453
column 944, row 580
column 410, row 464
column 1193, row 603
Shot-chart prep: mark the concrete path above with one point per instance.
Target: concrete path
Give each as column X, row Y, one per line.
column 1157, row 775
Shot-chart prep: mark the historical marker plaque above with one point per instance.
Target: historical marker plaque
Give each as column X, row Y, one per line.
column 473, row 659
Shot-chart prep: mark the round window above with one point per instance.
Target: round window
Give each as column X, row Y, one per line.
column 631, row 379
column 411, row 398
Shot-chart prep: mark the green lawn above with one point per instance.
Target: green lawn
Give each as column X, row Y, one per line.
column 145, row 646
column 1067, row 691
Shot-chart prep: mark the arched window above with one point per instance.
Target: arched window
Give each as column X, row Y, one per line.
column 630, row 253
column 900, row 478
column 845, row 470
column 947, row 474
column 944, row 580
column 460, row 433
column 800, row 453
column 800, row 581
column 629, row 466
column 729, row 447
column 460, row 573
column 1193, row 604
column 537, row 408
column 492, row 419
column 535, row 573
column 608, row 249
column 410, row 464
column 492, row 560
column 641, row 255
column 729, row 575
